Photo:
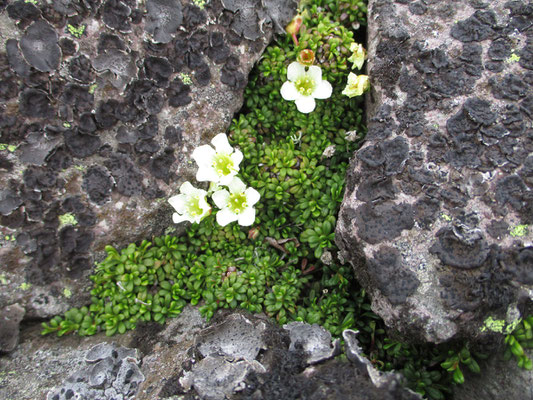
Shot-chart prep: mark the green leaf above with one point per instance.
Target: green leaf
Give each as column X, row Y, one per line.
column 458, row 376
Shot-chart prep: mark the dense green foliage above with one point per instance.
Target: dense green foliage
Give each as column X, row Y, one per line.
column 285, row 264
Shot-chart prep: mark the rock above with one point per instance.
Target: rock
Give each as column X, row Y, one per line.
column 10, row 318
column 104, row 103
column 110, row 372
column 313, row 340
column 235, row 356
column 498, row 376
column 438, row 197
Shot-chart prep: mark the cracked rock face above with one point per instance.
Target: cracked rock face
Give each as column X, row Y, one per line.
column 436, row 193
column 102, row 105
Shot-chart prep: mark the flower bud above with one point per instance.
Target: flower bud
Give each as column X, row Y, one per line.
column 293, row 27
column 306, row 57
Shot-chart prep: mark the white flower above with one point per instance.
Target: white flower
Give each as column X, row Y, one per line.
column 357, row 85
column 190, row 205
column 217, row 165
column 237, row 204
column 305, row 86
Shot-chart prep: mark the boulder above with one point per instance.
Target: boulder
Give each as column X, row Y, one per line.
column 438, row 210
column 102, row 105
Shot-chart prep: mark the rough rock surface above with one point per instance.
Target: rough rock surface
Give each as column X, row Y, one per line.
column 237, row 355
column 438, row 211
column 499, row 379
column 102, row 103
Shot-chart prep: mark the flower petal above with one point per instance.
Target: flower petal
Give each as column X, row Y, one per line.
column 315, row 73
column 236, row 186
column 178, row 202
column 176, row 218
column 323, row 90
column 305, row 104
column 203, row 155
column 187, row 188
column 221, row 143
column 221, row 198
column 236, row 158
column 226, row 179
column 207, row 173
column 288, row 91
column 247, row 217
column 295, row 70
column 252, row 196
column 225, row 217
column 204, row 205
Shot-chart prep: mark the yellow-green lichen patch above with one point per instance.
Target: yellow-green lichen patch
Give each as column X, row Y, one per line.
column 519, row 231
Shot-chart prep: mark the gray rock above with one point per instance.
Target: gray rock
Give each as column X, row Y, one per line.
column 105, row 131
column 235, row 337
column 115, row 375
column 173, row 365
column 498, row 378
column 218, row 378
column 434, row 195
column 313, row 340
column 10, row 318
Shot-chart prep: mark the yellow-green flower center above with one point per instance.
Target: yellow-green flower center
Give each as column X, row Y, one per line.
column 237, row 202
column 305, row 85
column 193, row 207
column 223, row 164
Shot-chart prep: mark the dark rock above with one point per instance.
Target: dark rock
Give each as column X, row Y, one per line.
column 39, row 178
column 24, row 12
column 98, row 185
column 498, row 229
column 37, row 148
column 518, row 262
column 418, row 8
column 40, row 47
column 68, row 46
column 15, row 58
column 426, row 211
column 108, row 42
column 478, row 27
column 510, row 190
column 9, row 201
column 387, row 220
column 500, row 49
column 178, row 93
column 193, row 17
column 81, row 144
column 394, row 282
column 35, row 103
column 164, row 18
column 119, row 63
column 128, row 178
column 74, row 240
column 158, row 69
column 471, row 56
column 160, row 165
column 382, row 124
column 510, row 87
column 80, row 69
column 78, row 97
column 105, row 114
column 455, row 252
column 479, row 111
column 115, row 15
column 376, row 189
